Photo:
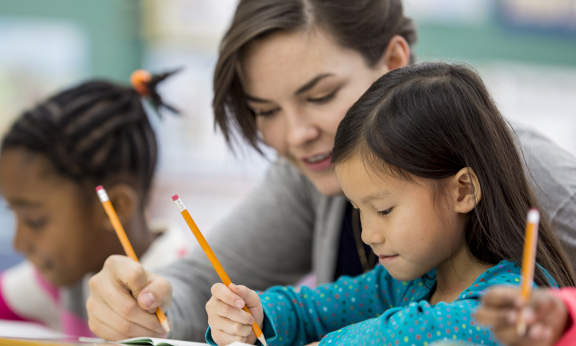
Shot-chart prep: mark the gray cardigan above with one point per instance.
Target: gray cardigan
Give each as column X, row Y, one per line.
column 286, row 229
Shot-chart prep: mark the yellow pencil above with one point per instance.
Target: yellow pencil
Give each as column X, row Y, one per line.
column 125, row 242
column 528, row 263
column 212, row 257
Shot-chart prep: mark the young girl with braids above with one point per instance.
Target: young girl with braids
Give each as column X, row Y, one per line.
column 433, row 168
column 51, row 160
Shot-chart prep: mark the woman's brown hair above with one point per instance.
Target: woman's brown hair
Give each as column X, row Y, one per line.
column 431, row 121
column 366, row 26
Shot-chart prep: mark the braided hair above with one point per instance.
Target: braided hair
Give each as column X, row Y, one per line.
column 93, row 132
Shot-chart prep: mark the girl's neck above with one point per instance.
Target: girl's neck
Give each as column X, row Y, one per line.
column 456, row 274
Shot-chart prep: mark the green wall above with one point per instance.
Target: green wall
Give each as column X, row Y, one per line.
column 494, row 42
column 112, row 26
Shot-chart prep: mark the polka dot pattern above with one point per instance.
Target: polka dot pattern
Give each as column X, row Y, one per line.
column 376, row 309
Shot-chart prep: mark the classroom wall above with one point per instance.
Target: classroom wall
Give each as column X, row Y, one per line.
column 525, row 51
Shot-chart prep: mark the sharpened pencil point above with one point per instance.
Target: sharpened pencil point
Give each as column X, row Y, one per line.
column 99, row 187
column 166, row 326
column 175, row 197
column 262, row 340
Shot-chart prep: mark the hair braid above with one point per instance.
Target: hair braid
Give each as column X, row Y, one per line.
column 95, row 131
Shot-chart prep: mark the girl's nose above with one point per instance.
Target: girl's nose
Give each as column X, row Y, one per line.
column 20, row 242
column 372, row 235
column 301, row 129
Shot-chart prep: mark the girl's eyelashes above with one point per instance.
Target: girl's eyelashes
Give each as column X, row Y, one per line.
column 385, row 212
column 36, row 224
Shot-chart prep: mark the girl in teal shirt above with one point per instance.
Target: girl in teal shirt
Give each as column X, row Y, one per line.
column 433, row 168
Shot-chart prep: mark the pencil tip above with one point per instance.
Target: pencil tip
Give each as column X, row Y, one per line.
column 166, row 326
column 99, row 187
column 262, row 340
column 175, row 197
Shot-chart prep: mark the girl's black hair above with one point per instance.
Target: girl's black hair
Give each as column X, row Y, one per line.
column 93, row 132
column 432, row 120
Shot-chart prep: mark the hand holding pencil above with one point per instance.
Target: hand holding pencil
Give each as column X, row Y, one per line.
column 234, row 312
column 103, row 196
column 520, row 316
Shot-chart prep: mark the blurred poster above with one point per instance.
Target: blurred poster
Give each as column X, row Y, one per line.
column 187, row 22
column 469, row 12
column 544, row 15
column 37, row 57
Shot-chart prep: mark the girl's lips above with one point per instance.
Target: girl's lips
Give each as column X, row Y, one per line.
column 318, row 162
column 384, row 259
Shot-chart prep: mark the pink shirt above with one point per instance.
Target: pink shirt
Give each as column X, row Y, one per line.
column 568, row 296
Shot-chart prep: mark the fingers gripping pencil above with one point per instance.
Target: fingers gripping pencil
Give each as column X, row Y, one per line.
column 212, row 257
column 103, row 196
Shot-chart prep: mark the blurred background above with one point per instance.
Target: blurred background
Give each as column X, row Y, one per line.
column 524, row 49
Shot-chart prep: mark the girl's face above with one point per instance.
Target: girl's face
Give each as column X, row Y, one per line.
column 408, row 229
column 300, row 85
column 57, row 229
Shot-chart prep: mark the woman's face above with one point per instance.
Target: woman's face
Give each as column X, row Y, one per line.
column 300, row 85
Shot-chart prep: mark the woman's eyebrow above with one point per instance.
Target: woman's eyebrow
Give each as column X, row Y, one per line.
column 312, row 83
column 255, row 99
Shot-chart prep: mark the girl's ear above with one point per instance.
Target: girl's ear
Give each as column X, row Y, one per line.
column 124, row 199
column 397, row 55
column 467, row 190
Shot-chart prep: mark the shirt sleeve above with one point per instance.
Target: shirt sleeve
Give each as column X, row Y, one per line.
column 266, row 241
column 568, row 296
column 298, row 318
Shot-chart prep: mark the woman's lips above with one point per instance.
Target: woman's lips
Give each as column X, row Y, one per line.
column 318, row 162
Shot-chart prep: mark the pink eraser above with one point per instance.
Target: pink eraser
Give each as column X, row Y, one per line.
column 175, row 197
column 99, row 187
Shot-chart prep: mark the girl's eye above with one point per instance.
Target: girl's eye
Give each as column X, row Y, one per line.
column 323, row 99
column 36, row 224
column 385, row 212
column 265, row 113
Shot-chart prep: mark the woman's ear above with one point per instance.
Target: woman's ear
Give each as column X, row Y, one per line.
column 397, row 55
column 125, row 200
column 466, row 190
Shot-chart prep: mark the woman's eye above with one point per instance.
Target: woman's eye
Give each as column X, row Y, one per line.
column 265, row 113
column 385, row 212
column 36, row 224
column 324, row 99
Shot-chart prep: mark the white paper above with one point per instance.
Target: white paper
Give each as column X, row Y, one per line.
column 28, row 330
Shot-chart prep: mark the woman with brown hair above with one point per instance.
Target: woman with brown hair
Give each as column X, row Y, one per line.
column 287, row 72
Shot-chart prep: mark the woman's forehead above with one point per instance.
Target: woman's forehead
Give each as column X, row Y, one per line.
column 288, row 60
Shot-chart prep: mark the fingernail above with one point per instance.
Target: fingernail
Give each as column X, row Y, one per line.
column 239, row 304
column 528, row 313
column 147, row 299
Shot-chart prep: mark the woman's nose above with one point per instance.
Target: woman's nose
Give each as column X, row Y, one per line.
column 301, row 129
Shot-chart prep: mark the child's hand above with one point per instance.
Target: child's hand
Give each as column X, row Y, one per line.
column 544, row 314
column 227, row 320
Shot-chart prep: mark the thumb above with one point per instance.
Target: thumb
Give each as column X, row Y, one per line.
column 158, row 293
column 250, row 297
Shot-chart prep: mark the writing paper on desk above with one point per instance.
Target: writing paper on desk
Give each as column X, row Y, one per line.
column 29, row 330
column 158, row 342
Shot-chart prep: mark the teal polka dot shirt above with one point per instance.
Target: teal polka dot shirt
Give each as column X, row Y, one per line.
column 376, row 309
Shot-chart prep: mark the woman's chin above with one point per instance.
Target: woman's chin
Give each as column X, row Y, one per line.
column 328, row 185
